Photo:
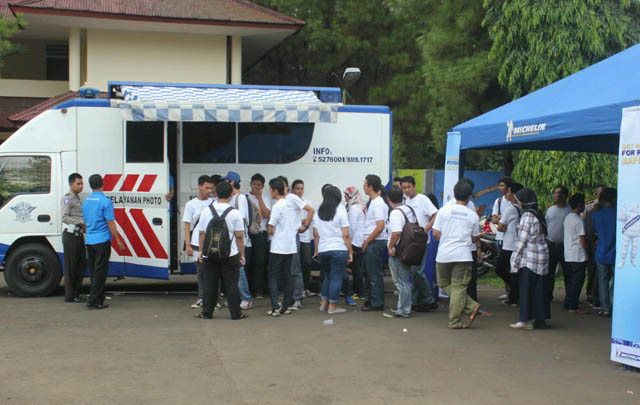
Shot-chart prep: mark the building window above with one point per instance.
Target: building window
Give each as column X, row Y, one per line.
column 24, row 175
column 57, row 62
column 208, row 142
column 273, row 142
column 145, row 142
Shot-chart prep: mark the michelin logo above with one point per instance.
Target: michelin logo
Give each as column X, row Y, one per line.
column 23, row 212
column 534, row 129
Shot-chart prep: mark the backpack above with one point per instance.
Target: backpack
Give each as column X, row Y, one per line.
column 255, row 218
column 413, row 241
column 217, row 243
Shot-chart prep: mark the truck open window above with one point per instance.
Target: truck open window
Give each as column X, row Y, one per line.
column 145, row 142
column 208, row 142
column 272, row 142
column 24, row 175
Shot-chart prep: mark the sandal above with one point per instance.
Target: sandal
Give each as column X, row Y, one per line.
column 472, row 317
column 201, row 316
column 242, row 316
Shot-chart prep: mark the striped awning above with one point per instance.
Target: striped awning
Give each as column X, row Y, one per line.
column 159, row 103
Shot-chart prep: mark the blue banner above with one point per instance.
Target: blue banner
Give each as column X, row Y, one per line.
column 451, row 165
column 625, row 332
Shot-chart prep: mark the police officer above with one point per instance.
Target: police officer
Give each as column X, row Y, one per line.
column 73, row 228
column 97, row 211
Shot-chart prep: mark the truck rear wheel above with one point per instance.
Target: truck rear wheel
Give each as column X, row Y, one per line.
column 32, row 270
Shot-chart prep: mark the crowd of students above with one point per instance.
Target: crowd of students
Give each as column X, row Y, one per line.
column 271, row 229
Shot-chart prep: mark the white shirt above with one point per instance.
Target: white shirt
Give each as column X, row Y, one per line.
column 457, row 224
column 472, row 207
column 500, row 210
column 356, row 225
column 267, row 202
column 423, row 207
column 397, row 221
column 555, row 222
column 511, row 219
column 240, row 202
column 233, row 219
column 306, row 236
column 192, row 210
column 330, row 232
column 378, row 211
column 573, row 229
column 284, row 236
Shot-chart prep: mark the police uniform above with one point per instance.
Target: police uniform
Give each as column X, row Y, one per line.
column 97, row 210
column 75, row 259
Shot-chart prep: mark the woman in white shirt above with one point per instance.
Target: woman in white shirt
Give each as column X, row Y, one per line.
column 333, row 247
column 356, row 209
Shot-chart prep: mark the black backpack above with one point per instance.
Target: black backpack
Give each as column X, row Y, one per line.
column 217, row 244
column 413, row 241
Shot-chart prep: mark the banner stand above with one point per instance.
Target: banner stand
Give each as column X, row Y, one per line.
column 451, row 165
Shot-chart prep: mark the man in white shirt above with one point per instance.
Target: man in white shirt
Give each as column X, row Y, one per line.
column 240, row 202
column 508, row 224
column 229, row 268
column 259, row 242
column 457, row 228
column 422, row 297
column 500, row 205
column 554, row 218
column 304, row 249
column 375, row 243
column 191, row 217
column 283, row 227
column 297, row 207
column 575, row 253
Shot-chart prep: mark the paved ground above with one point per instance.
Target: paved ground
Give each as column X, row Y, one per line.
column 148, row 348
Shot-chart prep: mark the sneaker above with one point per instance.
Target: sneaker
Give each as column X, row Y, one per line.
column 399, row 315
column 246, row 305
column 337, row 311
column 350, row 301
column 273, row 312
column 297, row 306
column 503, row 297
column 197, row 304
column 355, row 297
column 218, row 307
column 522, row 325
column 322, row 308
column 285, row 312
column 309, row 293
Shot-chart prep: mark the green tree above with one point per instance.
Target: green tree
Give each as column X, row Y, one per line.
column 8, row 27
column 537, row 43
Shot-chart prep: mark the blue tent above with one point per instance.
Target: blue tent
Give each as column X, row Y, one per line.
column 581, row 112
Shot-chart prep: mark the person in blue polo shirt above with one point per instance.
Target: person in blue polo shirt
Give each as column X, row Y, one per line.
column 97, row 211
column 604, row 226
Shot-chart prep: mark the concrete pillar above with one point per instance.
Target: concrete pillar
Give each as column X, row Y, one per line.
column 75, row 52
column 236, row 60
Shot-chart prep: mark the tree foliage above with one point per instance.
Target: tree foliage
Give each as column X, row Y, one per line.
column 8, row 27
column 537, row 43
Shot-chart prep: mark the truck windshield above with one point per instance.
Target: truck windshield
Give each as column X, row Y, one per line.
column 24, row 175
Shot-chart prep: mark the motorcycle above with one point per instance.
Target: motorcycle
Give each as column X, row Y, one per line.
column 488, row 246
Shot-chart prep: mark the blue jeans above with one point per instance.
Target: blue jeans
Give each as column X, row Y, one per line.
column 296, row 273
column 400, row 274
column 243, row 286
column 605, row 286
column 333, row 264
column 421, row 293
column 573, row 281
column 373, row 273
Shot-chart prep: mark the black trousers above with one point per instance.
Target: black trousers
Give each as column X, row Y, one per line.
column 228, row 271
column 472, row 288
column 556, row 255
column 305, row 263
column 356, row 272
column 592, row 279
column 503, row 268
column 257, row 271
column 98, row 258
column 75, row 262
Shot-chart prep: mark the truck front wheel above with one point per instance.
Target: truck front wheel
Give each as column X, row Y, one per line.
column 32, row 270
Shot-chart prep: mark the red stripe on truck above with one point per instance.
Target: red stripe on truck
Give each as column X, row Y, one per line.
column 114, row 245
column 125, row 223
column 129, row 182
column 148, row 234
column 147, row 183
column 110, row 181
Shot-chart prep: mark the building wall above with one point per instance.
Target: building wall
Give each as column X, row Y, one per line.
column 154, row 56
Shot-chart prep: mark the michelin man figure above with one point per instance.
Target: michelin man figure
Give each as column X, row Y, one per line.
column 630, row 217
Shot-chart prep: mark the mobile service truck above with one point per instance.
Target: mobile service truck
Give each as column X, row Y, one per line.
column 143, row 137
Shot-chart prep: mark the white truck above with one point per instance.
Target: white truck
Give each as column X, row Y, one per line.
column 145, row 135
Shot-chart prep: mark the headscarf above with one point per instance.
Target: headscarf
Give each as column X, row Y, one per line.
column 354, row 197
column 529, row 201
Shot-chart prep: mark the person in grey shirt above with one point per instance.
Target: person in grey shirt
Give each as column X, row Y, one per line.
column 73, row 229
column 554, row 217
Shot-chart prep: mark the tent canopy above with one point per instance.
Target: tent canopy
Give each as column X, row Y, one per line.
column 224, row 104
column 581, row 112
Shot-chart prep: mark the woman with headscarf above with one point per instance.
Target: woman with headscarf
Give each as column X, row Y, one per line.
column 356, row 209
column 531, row 260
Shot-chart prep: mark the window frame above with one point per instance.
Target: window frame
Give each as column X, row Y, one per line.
column 51, row 163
